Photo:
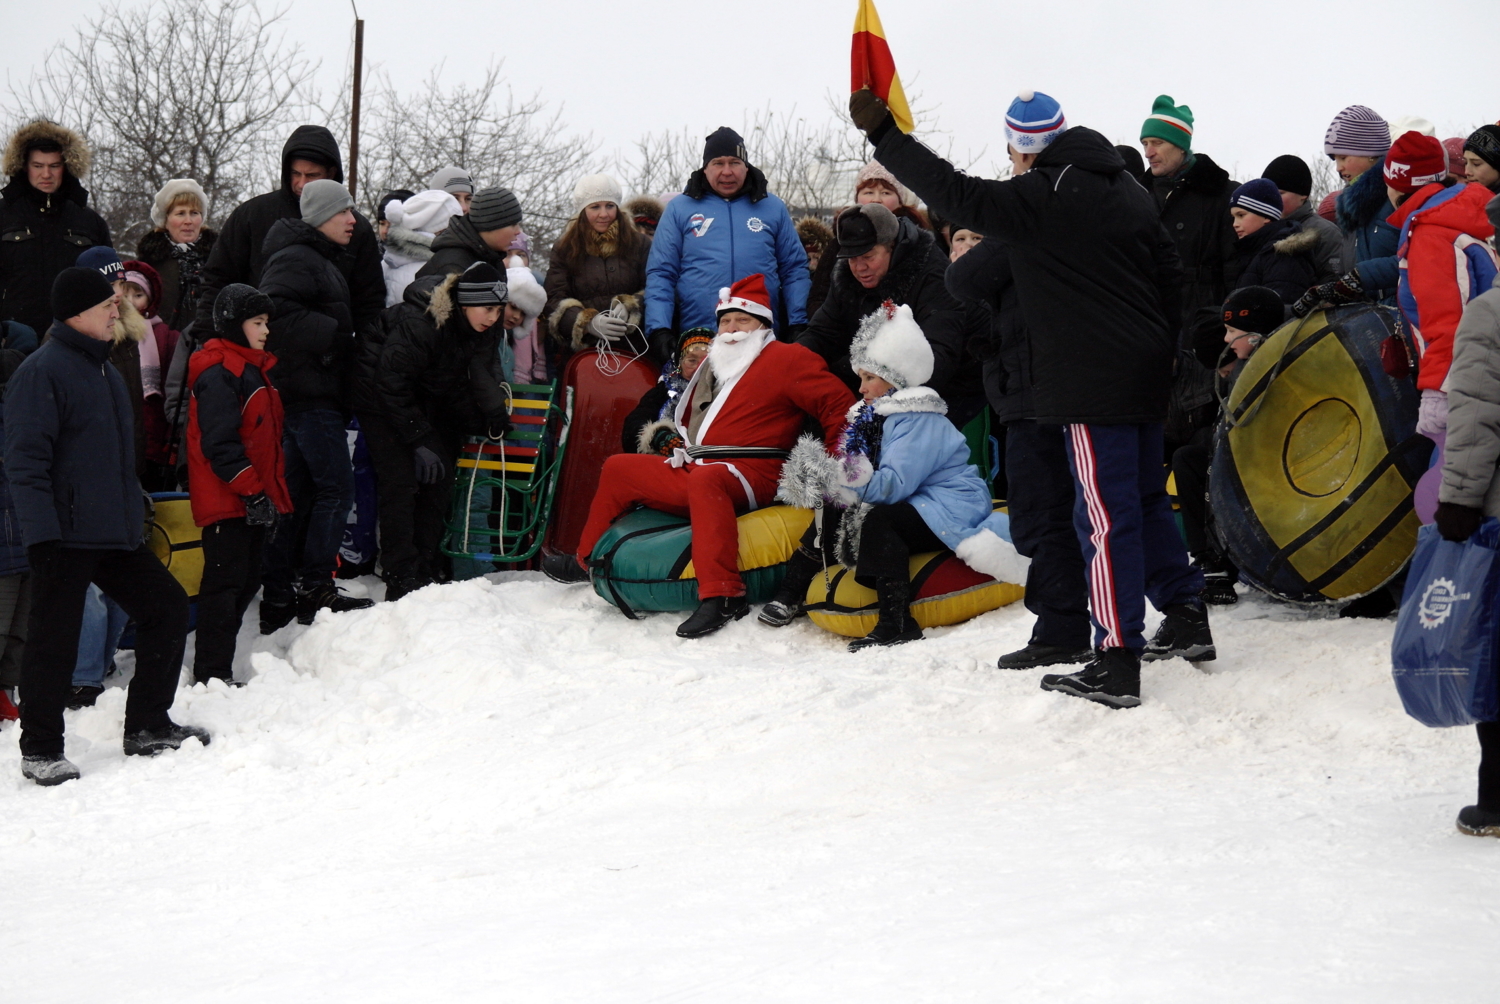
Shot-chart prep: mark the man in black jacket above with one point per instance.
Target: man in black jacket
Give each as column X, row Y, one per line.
column 1096, row 276
column 45, row 221
column 308, row 263
column 883, row 257
column 493, row 220
column 70, row 456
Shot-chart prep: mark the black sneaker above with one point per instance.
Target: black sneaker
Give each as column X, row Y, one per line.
column 1473, row 820
column 149, row 742
column 713, row 614
column 1218, row 589
column 326, row 596
column 275, row 615
column 560, row 567
column 398, row 586
column 780, row 613
column 886, row 634
column 83, row 697
column 1113, row 679
column 48, row 770
column 1184, row 632
column 1035, row 654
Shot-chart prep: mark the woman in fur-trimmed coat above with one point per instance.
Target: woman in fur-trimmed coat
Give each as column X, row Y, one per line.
column 599, row 260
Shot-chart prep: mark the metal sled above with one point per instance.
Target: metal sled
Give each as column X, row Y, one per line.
column 505, row 489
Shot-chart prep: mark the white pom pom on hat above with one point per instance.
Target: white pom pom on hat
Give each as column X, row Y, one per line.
column 1026, row 95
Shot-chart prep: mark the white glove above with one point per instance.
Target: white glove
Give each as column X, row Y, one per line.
column 610, row 325
column 1432, row 413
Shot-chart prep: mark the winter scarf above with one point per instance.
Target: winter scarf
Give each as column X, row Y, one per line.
column 603, row 245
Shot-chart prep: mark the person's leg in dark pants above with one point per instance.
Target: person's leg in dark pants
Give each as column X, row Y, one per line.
column 60, row 577
column 1170, row 580
column 396, row 483
column 231, row 563
column 1190, row 466
column 1040, row 503
column 430, row 512
column 888, row 537
column 1483, row 818
column 15, row 610
column 282, row 550
column 146, row 590
column 324, row 445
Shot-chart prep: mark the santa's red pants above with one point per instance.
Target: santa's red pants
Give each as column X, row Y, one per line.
column 708, row 494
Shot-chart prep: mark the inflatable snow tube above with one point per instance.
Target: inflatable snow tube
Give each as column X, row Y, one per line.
column 1315, row 460
column 944, row 591
column 177, row 541
column 644, row 561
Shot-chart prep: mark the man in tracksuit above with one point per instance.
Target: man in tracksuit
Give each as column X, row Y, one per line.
column 1096, row 275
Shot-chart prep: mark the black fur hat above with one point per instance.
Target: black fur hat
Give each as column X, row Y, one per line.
column 236, row 304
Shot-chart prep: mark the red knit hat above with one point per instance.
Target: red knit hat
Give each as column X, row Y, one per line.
column 749, row 296
column 1415, row 160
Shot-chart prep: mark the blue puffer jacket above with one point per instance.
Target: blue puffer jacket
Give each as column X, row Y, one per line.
column 70, row 446
column 1369, row 240
column 12, row 550
column 706, row 242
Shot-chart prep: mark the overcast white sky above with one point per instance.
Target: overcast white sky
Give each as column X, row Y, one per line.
column 1262, row 79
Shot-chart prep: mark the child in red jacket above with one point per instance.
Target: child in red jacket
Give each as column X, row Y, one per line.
column 236, row 473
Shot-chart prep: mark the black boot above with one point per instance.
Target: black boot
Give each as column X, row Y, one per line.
column 1113, row 679
column 713, row 614
column 1184, row 632
column 896, row 626
column 397, row 586
column 1036, row 654
column 275, row 615
column 786, row 605
column 83, row 697
column 48, row 770
column 149, row 742
column 560, row 567
column 324, row 595
column 1476, row 822
column 1218, row 580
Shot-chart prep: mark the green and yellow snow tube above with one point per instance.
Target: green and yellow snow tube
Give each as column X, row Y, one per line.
column 943, row 591
column 644, row 561
column 1315, row 460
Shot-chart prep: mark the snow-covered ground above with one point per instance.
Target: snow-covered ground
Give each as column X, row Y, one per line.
column 501, row 790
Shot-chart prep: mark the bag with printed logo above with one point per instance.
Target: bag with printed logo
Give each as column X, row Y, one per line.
column 1443, row 656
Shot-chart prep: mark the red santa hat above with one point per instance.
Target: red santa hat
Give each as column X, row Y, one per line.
column 748, row 296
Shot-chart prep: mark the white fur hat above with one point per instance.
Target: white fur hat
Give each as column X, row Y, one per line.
column 426, row 212
column 592, row 188
column 525, row 292
column 891, row 346
column 170, row 191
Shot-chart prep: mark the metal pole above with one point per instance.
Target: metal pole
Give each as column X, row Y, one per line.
column 359, row 59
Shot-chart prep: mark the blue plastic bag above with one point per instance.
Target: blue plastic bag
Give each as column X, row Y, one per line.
column 1443, row 656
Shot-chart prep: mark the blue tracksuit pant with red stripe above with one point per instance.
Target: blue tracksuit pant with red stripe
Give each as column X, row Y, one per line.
column 1132, row 550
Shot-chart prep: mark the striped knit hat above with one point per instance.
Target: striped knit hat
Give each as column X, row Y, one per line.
column 1033, row 121
column 1357, row 131
column 481, row 286
column 1260, row 197
column 1170, row 122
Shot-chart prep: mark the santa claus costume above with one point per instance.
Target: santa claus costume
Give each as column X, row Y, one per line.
column 738, row 417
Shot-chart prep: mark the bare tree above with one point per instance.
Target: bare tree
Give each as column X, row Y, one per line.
column 501, row 139
column 1324, row 180
column 173, row 89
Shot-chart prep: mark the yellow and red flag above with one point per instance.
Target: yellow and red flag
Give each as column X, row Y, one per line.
column 871, row 65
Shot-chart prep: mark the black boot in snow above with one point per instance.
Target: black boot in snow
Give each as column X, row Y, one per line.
column 786, row 606
column 895, row 626
column 83, row 697
column 1035, row 654
column 1183, row 632
column 275, row 615
column 1218, row 581
column 1477, row 822
column 48, row 770
column 149, row 742
column 560, row 567
column 324, row 595
column 397, row 586
column 713, row 614
column 1113, row 679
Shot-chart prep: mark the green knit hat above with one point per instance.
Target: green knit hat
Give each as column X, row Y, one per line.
column 1173, row 123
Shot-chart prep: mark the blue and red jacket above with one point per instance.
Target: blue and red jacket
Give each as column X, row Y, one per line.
column 1444, row 263
column 234, row 432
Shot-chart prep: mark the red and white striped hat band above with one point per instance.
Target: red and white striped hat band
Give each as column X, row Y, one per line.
column 1172, row 121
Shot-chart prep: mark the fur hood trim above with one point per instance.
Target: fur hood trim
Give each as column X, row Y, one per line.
column 131, row 327
column 644, row 206
column 412, row 244
column 578, row 335
column 988, row 553
column 911, row 255
column 75, row 152
column 440, row 307
column 1302, row 241
column 912, row 399
column 812, row 230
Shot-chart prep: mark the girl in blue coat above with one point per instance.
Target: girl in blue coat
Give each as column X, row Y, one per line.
column 901, row 484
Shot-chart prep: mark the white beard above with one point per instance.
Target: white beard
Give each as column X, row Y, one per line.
column 732, row 352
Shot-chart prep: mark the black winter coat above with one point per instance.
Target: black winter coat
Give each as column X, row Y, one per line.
column 983, row 280
column 181, row 279
column 458, row 247
column 12, row 548
column 915, row 279
column 40, row 235
column 312, row 329
column 1281, row 256
column 1096, row 275
column 70, row 446
column 240, row 253
column 434, row 375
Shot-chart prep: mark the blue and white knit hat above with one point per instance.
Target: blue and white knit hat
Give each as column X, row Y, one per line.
column 1033, row 121
column 1260, row 196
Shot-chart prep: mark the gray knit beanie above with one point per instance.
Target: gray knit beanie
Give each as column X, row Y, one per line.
column 322, row 200
column 494, row 209
column 451, row 180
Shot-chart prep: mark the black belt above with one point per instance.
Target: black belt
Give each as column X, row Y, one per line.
column 737, row 453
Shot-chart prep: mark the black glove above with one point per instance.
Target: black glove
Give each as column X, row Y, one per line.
column 429, row 466
column 259, row 510
column 1345, row 289
column 870, row 115
column 497, row 425
column 662, row 344
column 1457, row 522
